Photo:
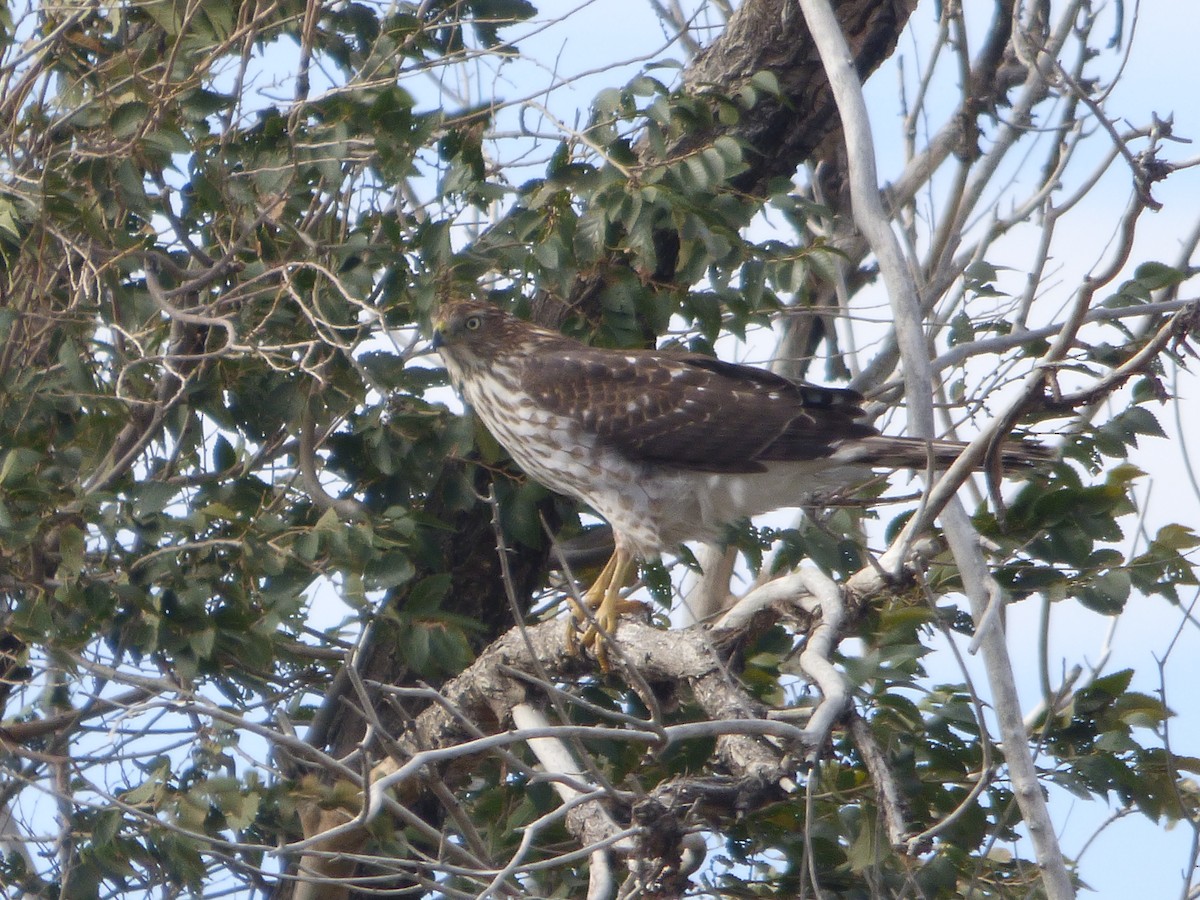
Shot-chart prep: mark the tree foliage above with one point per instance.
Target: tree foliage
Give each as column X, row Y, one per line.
column 255, row 633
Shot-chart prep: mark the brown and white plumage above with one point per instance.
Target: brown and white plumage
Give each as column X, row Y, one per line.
column 666, row 446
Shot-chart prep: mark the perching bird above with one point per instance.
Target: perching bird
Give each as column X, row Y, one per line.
column 667, row 446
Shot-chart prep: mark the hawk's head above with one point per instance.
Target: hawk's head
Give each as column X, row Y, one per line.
column 464, row 322
column 469, row 334
column 472, row 336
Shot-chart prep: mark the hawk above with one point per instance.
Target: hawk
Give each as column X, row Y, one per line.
column 667, row 446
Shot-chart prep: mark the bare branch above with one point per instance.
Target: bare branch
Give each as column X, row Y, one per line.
column 979, row 586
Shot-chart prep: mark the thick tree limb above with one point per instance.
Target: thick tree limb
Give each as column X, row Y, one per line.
column 476, row 705
column 768, row 36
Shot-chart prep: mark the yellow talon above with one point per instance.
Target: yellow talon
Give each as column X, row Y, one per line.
column 603, row 598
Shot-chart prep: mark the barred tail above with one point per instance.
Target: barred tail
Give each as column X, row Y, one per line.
column 883, row 451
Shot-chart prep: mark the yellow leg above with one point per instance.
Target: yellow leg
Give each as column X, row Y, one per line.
column 604, row 597
column 610, row 605
column 590, row 600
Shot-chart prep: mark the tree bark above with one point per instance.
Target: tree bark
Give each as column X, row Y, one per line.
column 770, row 36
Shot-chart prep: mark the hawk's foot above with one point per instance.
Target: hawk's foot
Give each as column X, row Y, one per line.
column 599, row 632
column 601, row 608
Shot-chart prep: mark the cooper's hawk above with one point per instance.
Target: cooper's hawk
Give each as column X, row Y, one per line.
column 667, row 446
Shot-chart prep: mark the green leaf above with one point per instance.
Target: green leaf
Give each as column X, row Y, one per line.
column 149, row 790
column 105, row 827
column 1112, row 685
column 128, row 118
column 17, row 463
column 414, row 645
column 71, row 359
column 1140, row 420
column 71, row 549
column 980, row 271
column 388, row 571
column 962, row 330
column 200, row 103
column 867, row 851
column 1107, row 593
column 767, row 82
column 1177, row 537
column 1155, row 275
column 8, row 219
column 224, row 456
column 152, row 497
column 1141, row 710
column 426, row 595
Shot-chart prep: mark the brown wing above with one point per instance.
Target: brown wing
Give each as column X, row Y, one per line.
column 692, row 411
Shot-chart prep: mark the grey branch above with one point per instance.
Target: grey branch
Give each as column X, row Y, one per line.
column 978, row 583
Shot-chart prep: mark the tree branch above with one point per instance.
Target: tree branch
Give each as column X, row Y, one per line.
column 487, row 692
column 978, row 584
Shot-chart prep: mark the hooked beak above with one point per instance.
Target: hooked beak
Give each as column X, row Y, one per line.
column 439, row 332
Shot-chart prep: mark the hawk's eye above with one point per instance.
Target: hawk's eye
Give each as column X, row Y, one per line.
column 473, row 323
